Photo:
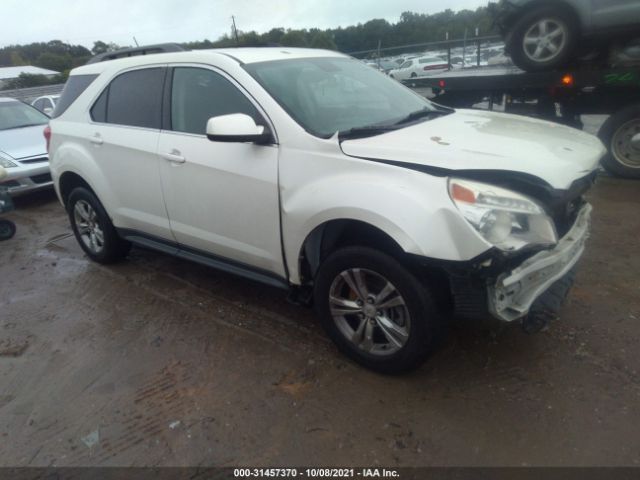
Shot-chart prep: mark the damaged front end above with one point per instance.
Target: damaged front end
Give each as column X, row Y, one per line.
column 531, row 285
column 514, row 293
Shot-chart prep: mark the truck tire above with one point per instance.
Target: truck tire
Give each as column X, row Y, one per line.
column 621, row 135
column 375, row 310
column 544, row 38
column 93, row 229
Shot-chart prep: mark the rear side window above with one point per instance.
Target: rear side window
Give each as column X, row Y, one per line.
column 76, row 84
column 132, row 99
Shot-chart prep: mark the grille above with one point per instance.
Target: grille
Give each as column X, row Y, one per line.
column 44, row 178
column 34, row 160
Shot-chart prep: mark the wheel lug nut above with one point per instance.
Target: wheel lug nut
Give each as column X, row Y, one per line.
column 369, row 300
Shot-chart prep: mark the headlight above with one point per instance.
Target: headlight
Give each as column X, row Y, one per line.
column 505, row 219
column 6, row 162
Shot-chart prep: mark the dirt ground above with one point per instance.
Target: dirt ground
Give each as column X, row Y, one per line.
column 157, row 361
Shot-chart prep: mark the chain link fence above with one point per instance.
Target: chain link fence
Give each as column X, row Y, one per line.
column 30, row 94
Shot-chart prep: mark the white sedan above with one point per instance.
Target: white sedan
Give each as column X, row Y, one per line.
column 418, row 67
column 46, row 103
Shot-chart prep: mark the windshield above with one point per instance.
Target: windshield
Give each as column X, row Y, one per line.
column 329, row 95
column 18, row 114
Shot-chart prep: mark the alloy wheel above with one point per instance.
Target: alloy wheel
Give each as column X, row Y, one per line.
column 545, row 40
column 89, row 230
column 369, row 311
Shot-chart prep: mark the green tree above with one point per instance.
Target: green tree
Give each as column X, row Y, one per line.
column 294, row 38
column 16, row 59
column 54, row 61
column 322, row 40
column 102, row 47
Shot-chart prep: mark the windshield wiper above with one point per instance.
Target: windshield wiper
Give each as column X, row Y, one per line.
column 368, row 131
column 425, row 112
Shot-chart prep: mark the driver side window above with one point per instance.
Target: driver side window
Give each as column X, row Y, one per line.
column 197, row 94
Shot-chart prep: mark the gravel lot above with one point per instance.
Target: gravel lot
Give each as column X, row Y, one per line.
column 157, row 361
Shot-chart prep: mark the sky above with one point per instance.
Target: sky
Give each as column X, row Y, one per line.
column 156, row 21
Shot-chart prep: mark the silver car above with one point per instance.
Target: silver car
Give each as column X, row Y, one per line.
column 543, row 34
column 23, row 149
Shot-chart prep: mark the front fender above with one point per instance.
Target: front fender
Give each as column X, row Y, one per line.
column 413, row 208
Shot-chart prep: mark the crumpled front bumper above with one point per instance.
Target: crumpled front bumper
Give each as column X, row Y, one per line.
column 513, row 293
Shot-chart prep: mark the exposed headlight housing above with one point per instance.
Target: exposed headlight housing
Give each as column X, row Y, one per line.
column 5, row 161
column 505, row 219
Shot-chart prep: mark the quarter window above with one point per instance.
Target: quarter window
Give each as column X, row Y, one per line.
column 76, row 84
column 199, row 94
column 132, row 99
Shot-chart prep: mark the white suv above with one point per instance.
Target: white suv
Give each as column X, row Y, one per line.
column 308, row 170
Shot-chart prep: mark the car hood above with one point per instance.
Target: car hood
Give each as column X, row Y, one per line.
column 480, row 140
column 23, row 142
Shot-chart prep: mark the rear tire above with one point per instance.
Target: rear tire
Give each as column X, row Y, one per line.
column 93, row 229
column 7, row 230
column 542, row 23
column 390, row 333
column 618, row 134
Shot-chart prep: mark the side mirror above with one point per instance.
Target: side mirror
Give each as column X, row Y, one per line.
column 236, row 127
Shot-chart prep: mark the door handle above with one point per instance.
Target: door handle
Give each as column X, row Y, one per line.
column 96, row 139
column 174, row 156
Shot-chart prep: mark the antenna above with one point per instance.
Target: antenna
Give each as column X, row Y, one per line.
column 235, row 30
column 134, row 39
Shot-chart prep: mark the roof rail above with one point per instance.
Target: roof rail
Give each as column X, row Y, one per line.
column 132, row 52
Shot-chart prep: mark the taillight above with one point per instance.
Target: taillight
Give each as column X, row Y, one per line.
column 47, row 136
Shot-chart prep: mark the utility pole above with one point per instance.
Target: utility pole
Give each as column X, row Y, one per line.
column 235, row 30
column 464, row 49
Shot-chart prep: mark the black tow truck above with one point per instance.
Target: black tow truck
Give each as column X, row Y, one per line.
column 561, row 96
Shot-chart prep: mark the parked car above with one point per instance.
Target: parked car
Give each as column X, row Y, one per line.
column 387, row 215
column 374, row 65
column 46, row 103
column 23, row 150
column 543, row 35
column 418, row 67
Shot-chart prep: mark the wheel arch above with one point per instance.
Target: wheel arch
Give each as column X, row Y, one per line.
column 332, row 234
column 70, row 180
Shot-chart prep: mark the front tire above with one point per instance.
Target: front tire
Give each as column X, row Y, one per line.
column 93, row 229
column 621, row 135
column 543, row 39
column 375, row 310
